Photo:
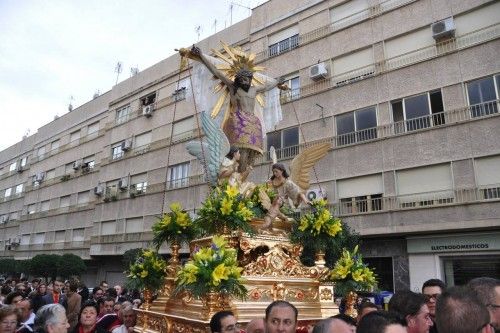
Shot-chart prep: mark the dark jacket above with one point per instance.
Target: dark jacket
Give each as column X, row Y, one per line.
column 63, row 300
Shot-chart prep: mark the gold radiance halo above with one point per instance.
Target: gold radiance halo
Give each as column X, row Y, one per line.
column 232, row 61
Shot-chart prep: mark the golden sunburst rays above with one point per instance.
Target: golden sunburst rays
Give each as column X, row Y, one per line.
column 233, row 60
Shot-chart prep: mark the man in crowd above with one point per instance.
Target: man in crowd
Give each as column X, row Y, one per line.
column 55, row 296
column 281, row 316
column 74, row 304
column 432, row 289
column 381, row 322
column 488, row 292
column 256, row 326
column 413, row 308
column 128, row 317
column 333, row 325
column 364, row 309
column 458, row 310
column 224, row 322
column 97, row 293
column 27, row 316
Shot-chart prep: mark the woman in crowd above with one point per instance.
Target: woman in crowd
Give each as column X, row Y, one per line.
column 8, row 319
column 88, row 319
column 51, row 318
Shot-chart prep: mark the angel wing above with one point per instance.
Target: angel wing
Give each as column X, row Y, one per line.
column 212, row 150
column 264, row 199
column 303, row 162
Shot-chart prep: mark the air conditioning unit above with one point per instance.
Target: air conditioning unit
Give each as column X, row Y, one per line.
column 318, row 71
column 99, row 190
column 443, row 29
column 20, row 168
column 315, row 194
column 123, row 184
column 5, row 219
column 77, row 165
column 39, row 176
column 126, row 145
column 147, row 110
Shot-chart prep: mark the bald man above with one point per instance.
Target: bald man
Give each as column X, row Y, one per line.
column 256, row 326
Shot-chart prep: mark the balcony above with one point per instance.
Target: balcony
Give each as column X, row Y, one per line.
column 145, row 236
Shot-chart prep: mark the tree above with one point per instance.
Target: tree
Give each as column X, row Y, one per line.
column 45, row 265
column 70, row 265
column 129, row 257
column 8, row 267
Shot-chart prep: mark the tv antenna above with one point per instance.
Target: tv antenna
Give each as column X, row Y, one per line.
column 70, row 105
column 134, row 71
column 231, row 6
column 118, row 70
column 197, row 29
column 215, row 25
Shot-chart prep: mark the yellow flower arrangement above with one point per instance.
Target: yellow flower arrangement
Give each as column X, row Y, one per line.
column 317, row 228
column 213, row 268
column 175, row 226
column 351, row 274
column 148, row 271
column 225, row 207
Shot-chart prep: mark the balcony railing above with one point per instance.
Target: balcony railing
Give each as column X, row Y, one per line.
column 145, row 236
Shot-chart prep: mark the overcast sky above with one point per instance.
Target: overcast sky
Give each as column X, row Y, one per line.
column 51, row 50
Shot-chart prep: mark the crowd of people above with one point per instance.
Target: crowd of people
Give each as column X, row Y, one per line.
column 61, row 307
column 474, row 308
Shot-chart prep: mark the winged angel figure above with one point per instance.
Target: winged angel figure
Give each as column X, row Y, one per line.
column 290, row 188
column 220, row 160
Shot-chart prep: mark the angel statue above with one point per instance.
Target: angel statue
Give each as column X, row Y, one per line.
column 220, row 160
column 290, row 187
column 240, row 124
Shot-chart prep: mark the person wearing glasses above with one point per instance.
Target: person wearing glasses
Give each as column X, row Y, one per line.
column 224, row 322
column 459, row 310
column 432, row 289
column 8, row 319
column 488, row 291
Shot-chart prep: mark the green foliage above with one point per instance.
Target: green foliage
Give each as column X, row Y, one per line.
column 175, row 226
column 225, row 207
column 129, row 257
column 212, row 269
column 8, row 266
column 45, row 265
column 148, row 271
column 70, row 265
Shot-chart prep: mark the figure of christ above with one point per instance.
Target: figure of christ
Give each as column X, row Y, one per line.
column 242, row 128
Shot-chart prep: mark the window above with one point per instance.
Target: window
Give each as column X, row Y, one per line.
column 24, row 161
column 348, row 13
column 13, row 166
column 488, row 176
column 41, row 152
column 31, row 209
column 143, row 140
column 117, row 151
column 60, row 236
column 138, row 183
column 134, row 225
column 354, row 66
column 181, row 89
column 150, row 99
column 45, row 205
column 286, row 142
column 356, row 126
column 178, row 176
column 19, row 189
column 68, row 168
column 284, row 41
column 83, row 198
column 294, row 89
column 108, row 228
column 88, row 163
column 25, row 239
column 8, row 192
column 483, row 94
column 39, row 238
column 74, row 138
column 54, row 145
column 361, row 194
column 417, row 112
column 64, row 201
column 413, row 41
column 183, row 129
column 93, row 129
column 477, row 19
column 78, row 235
column 425, row 186
column 51, row 174
column 122, row 114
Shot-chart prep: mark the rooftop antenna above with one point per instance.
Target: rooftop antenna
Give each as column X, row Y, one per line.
column 26, row 134
column 118, row 70
column 215, row 25
column 134, row 70
column 70, row 105
column 97, row 94
column 198, row 31
column 239, row 5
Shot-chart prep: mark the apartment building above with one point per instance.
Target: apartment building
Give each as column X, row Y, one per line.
column 406, row 91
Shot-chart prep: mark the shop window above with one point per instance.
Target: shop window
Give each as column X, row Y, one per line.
column 383, row 267
column 356, row 126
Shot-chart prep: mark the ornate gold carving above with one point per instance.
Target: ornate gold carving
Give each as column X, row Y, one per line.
column 280, row 291
column 326, row 294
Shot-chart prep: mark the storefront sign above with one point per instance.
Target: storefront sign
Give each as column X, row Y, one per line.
column 455, row 243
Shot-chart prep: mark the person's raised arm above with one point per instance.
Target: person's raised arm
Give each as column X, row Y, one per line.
column 198, row 55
